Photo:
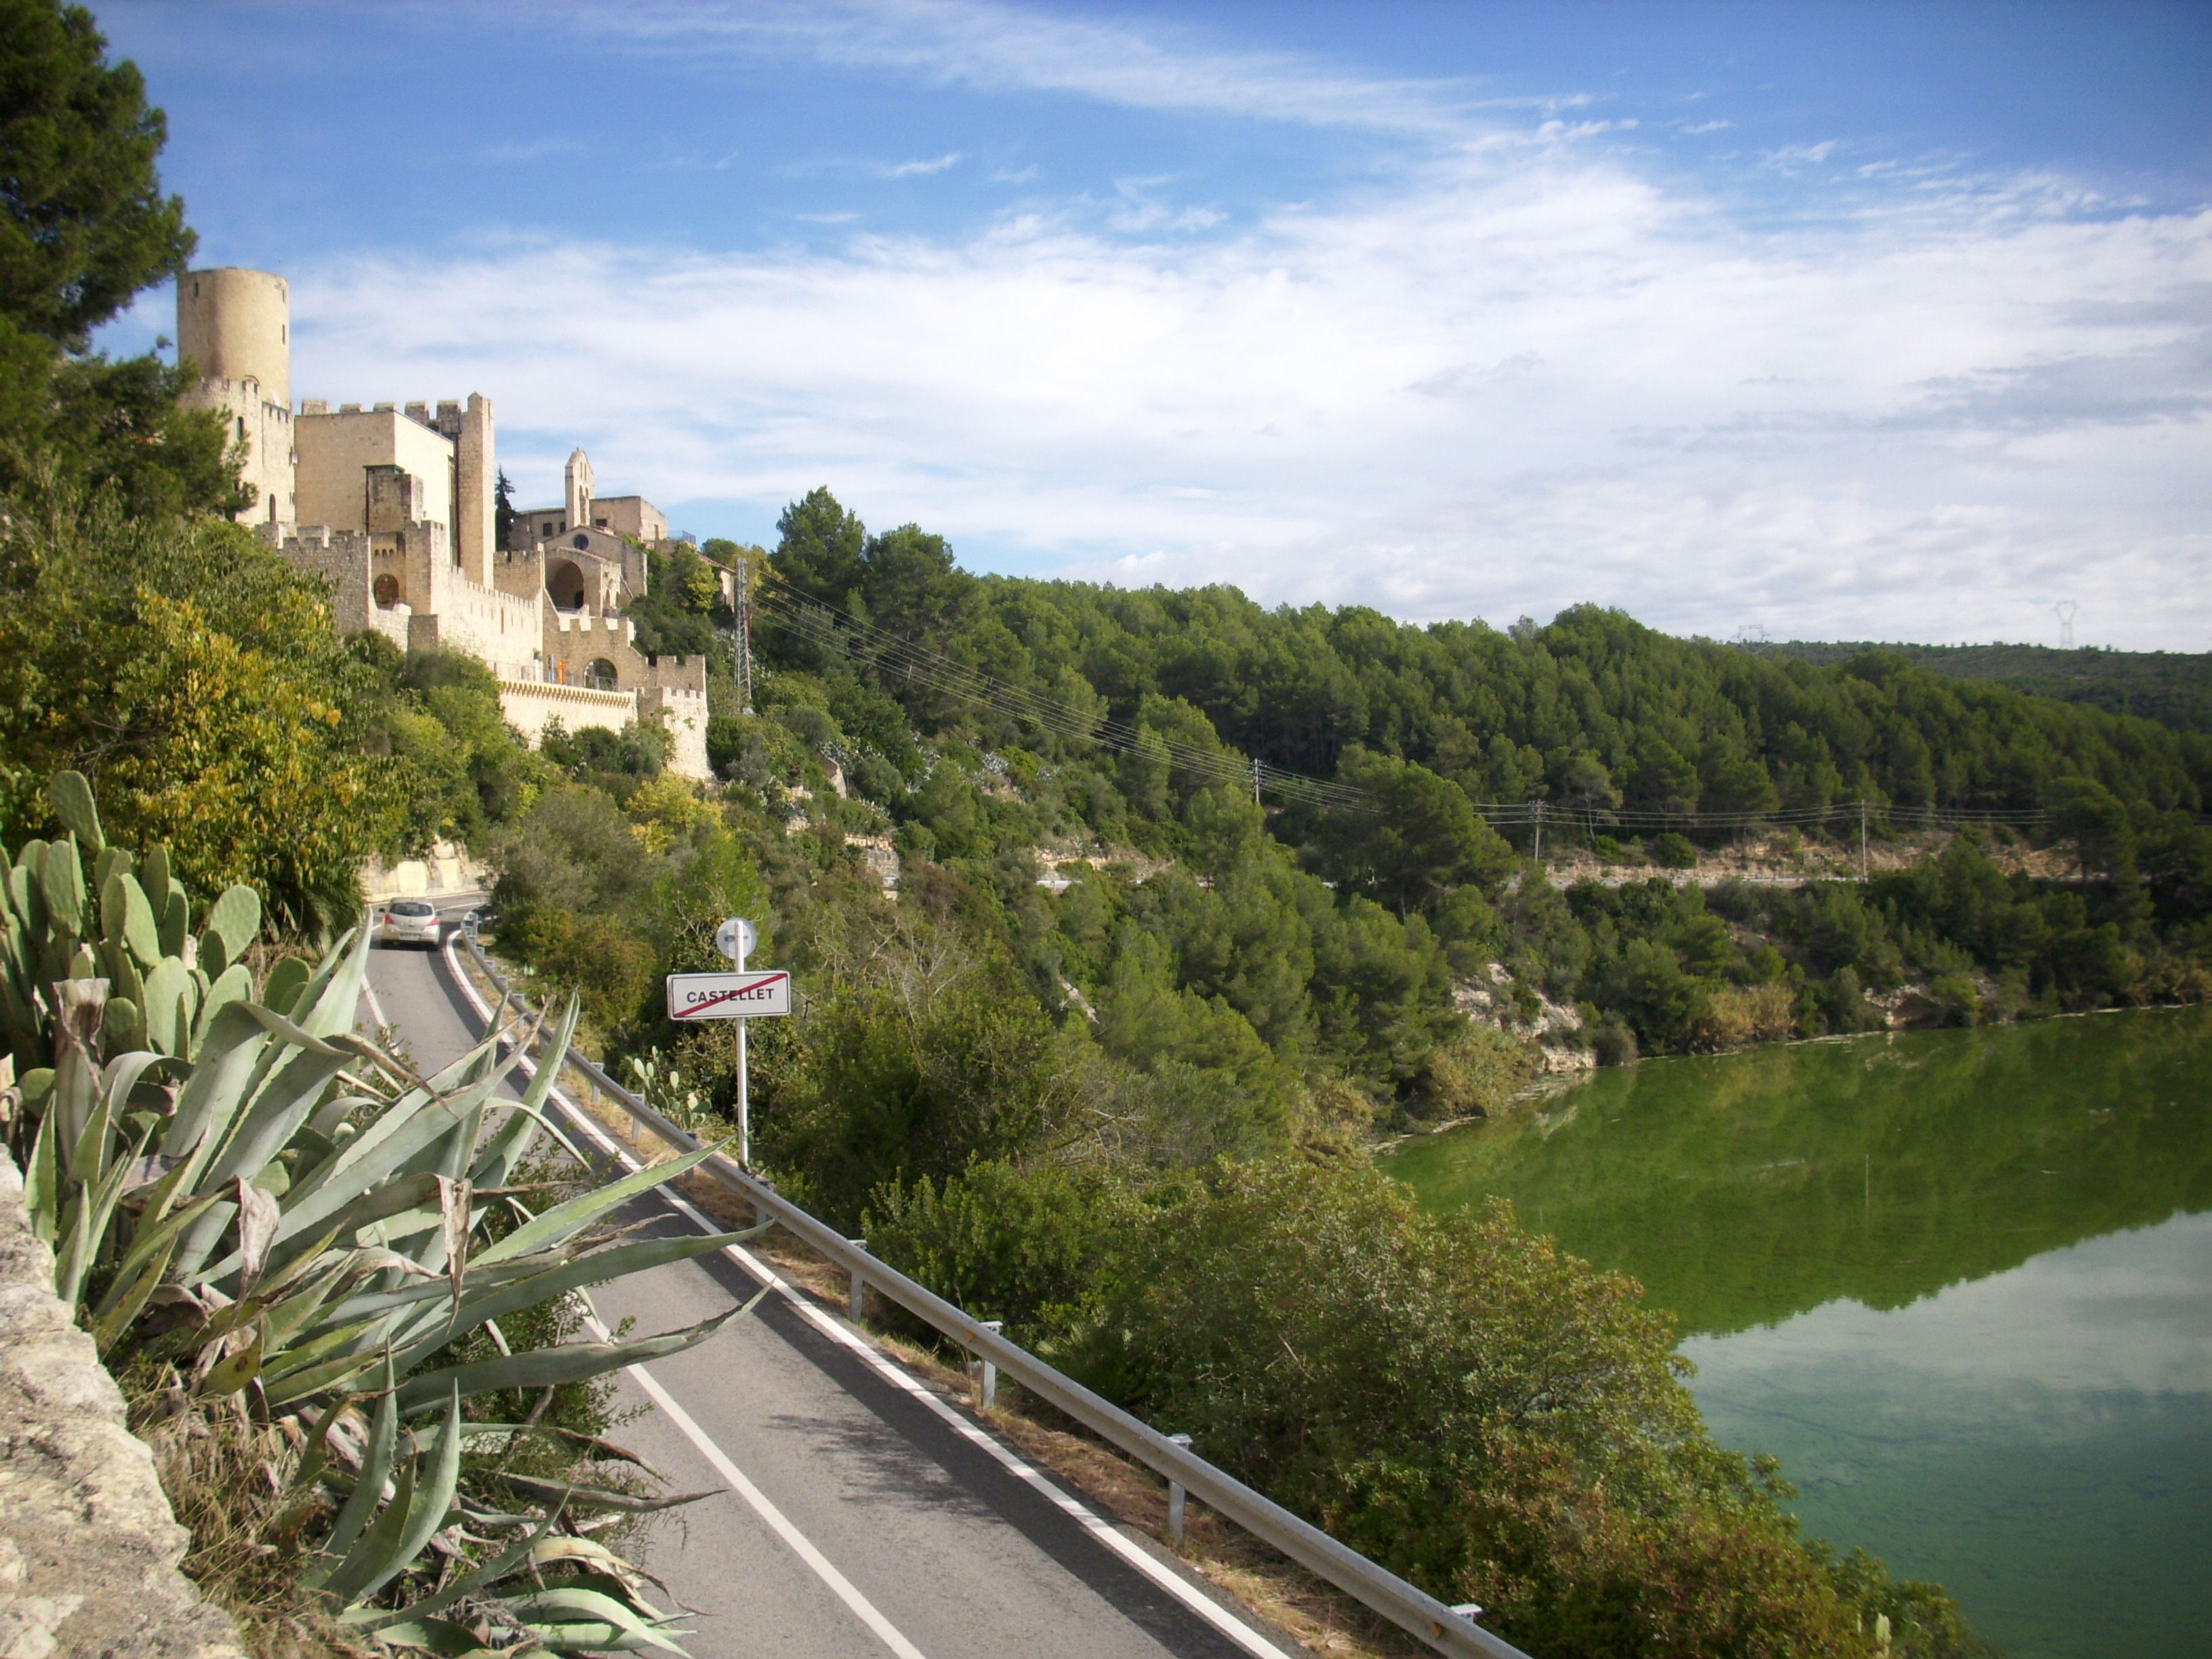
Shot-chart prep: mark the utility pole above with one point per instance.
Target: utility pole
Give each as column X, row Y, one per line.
column 745, row 661
column 1540, row 832
column 1256, row 780
column 1863, row 843
column 2064, row 611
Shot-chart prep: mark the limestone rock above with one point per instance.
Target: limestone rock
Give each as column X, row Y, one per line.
column 88, row 1546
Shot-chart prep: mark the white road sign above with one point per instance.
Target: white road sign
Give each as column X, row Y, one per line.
column 728, row 996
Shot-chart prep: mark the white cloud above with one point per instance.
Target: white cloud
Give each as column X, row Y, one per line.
column 920, row 169
column 1790, row 158
column 1523, row 376
column 966, row 43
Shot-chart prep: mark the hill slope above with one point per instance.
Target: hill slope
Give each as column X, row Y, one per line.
column 2173, row 687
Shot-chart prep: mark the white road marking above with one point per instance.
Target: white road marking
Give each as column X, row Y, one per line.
column 1211, row 1612
column 375, row 1008
column 800, row 1545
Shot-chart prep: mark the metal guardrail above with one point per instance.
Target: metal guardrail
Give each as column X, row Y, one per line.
column 1413, row 1609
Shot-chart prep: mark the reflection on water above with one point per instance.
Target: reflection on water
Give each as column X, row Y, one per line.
column 1961, row 1282
column 2039, row 1441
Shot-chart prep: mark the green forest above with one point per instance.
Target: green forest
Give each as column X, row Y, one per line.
column 1125, row 922
column 2172, row 687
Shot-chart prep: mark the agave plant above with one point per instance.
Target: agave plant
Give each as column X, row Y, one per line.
column 293, row 1225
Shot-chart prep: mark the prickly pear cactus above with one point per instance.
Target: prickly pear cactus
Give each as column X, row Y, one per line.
column 78, row 908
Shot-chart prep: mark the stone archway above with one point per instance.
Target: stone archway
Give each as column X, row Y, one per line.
column 564, row 584
column 600, row 676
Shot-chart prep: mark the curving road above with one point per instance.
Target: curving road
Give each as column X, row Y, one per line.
column 854, row 1513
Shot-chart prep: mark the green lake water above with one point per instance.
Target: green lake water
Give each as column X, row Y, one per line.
column 1961, row 1282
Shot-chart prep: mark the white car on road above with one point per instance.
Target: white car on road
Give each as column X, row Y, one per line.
column 407, row 921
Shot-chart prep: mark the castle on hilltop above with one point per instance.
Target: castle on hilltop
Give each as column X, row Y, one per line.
column 395, row 508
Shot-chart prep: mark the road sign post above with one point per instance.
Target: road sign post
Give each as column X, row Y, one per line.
column 739, row 997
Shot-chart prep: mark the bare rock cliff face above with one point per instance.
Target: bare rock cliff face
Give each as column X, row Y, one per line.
column 89, row 1548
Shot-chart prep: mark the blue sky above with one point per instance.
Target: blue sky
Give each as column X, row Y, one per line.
column 1834, row 321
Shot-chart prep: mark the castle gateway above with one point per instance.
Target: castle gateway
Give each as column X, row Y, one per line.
column 393, row 505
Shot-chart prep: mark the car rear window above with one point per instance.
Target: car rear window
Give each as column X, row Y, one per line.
column 411, row 907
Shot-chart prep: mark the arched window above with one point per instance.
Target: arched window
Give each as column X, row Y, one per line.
column 600, row 676
column 386, row 588
column 564, row 584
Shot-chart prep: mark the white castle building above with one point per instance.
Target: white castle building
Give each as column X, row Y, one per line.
column 394, row 507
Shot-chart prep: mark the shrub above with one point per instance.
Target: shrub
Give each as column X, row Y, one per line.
column 1459, row 1400
column 1673, row 851
column 1474, row 1073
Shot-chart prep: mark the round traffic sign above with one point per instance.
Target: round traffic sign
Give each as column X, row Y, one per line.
column 735, row 939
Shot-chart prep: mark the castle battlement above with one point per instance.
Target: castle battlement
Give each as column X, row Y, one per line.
column 391, row 505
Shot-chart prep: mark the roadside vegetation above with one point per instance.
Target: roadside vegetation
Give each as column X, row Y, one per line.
column 1107, row 1062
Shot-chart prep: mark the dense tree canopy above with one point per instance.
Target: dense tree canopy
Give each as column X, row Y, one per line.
column 84, row 224
column 83, row 228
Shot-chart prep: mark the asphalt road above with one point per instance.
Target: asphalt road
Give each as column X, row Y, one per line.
column 854, row 1513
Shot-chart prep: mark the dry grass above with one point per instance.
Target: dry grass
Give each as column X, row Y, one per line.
column 225, row 1475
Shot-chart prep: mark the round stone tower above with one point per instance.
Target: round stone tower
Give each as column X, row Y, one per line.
column 237, row 325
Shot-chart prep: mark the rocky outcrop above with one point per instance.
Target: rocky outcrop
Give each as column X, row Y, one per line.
column 1562, row 1049
column 89, row 1547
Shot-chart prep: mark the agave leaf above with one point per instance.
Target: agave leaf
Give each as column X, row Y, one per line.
column 74, row 805
column 233, row 1373
column 127, row 1299
column 368, row 1487
column 279, row 1106
column 160, row 1240
column 460, row 1220
column 328, row 1008
column 602, row 1451
column 582, row 1620
column 564, row 1220
column 100, row 1202
column 426, row 1511
column 379, row 1199
column 592, row 1555
column 276, row 1025
column 471, row 1583
column 377, row 1303
column 73, row 1248
column 496, row 1164
column 597, row 1268
column 42, row 1179
column 330, row 1360
column 571, row 1362
column 381, row 1535
column 211, row 1097
column 393, row 1148
column 258, row 1214
column 596, row 1497
column 443, row 1638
